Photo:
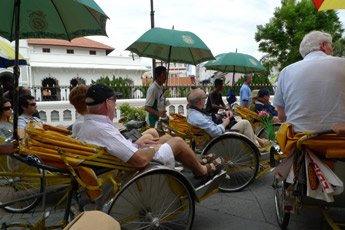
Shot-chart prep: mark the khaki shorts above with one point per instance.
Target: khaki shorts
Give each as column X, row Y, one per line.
column 165, row 155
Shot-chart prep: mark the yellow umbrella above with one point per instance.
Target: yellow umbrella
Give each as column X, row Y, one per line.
column 329, row 4
column 7, row 55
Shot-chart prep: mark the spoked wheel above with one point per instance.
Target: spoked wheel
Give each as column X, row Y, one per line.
column 14, row 187
column 262, row 132
column 240, row 160
column 283, row 216
column 155, row 200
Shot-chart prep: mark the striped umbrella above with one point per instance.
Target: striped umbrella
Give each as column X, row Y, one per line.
column 7, row 55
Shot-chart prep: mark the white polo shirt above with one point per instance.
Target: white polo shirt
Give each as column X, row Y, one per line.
column 313, row 92
column 99, row 130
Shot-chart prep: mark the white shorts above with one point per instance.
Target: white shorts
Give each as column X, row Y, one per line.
column 165, row 155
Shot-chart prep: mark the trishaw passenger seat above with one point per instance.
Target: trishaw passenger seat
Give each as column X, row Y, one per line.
column 56, row 149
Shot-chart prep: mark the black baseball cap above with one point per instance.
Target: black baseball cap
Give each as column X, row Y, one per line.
column 263, row 92
column 98, row 93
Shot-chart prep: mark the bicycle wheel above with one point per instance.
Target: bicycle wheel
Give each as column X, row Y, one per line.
column 240, row 160
column 262, row 132
column 283, row 216
column 155, row 200
column 17, row 187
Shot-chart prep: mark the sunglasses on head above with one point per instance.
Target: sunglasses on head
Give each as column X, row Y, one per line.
column 6, row 108
column 32, row 104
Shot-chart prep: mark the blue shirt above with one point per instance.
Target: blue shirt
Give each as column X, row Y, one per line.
column 245, row 94
column 203, row 121
column 259, row 106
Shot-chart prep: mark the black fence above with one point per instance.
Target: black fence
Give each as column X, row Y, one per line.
column 135, row 92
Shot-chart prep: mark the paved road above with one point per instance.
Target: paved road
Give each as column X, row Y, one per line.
column 252, row 208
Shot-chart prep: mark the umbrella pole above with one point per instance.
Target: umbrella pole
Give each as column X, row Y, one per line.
column 166, row 80
column 16, row 71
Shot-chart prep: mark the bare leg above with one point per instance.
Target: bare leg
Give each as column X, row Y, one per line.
column 152, row 131
column 187, row 157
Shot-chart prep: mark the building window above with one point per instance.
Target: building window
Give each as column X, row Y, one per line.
column 70, row 51
column 92, row 52
column 54, row 116
column 67, row 115
column 46, row 50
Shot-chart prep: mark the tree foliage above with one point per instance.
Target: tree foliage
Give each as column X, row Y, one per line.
column 281, row 37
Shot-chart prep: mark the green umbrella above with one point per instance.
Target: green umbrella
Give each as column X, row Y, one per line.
column 171, row 46
column 235, row 62
column 60, row 19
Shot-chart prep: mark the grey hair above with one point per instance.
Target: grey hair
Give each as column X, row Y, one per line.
column 311, row 42
column 194, row 98
column 246, row 77
column 94, row 108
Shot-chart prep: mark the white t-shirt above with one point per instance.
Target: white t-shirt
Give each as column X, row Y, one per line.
column 313, row 92
column 77, row 124
column 155, row 92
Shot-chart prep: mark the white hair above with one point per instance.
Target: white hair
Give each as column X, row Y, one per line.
column 311, row 42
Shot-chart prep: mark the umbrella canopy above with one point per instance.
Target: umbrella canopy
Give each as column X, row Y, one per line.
column 235, row 62
column 171, row 46
column 329, row 4
column 7, row 55
column 60, row 19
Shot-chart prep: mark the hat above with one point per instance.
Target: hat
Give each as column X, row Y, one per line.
column 93, row 220
column 263, row 92
column 254, row 93
column 98, row 93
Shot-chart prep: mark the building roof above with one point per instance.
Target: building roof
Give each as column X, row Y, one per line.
column 77, row 42
column 175, row 81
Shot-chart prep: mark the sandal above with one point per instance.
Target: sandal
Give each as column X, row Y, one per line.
column 211, row 172
column 209, row 157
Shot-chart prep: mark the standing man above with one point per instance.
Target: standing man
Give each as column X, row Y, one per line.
column 310, row 93
column 245, row 92
column 215, row 101
column 154, row 104
column 27, row 107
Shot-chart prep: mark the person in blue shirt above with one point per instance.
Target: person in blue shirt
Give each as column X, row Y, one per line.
column 245, row 92
column 263, row 104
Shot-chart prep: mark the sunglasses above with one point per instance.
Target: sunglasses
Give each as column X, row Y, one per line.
column 6, row 108
column 32, row 104
column 112, row 99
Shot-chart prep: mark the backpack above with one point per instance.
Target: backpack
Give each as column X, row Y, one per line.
column 231, row 96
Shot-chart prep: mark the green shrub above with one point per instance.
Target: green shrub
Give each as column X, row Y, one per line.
column 132, row 113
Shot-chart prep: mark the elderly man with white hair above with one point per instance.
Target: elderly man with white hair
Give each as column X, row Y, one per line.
column 310, row 93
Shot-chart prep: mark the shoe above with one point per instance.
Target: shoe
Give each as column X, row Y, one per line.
column 211, row 172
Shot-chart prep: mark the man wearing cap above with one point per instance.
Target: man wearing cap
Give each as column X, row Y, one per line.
column 245, row 92
column 263, row 104
column 98, row 129
column 254, row 97
column 310, row 93
column 154, row 104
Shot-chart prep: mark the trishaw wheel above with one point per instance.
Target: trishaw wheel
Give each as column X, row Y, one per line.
column 155, row 200
column 14, row 187
column 240, row 160
column 283, row 216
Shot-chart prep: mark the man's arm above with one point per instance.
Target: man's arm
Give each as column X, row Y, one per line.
column 21, row 133
column 281, row 113
column 154, row 112
column 8, row 148
column 144, row 156
column 339, row 129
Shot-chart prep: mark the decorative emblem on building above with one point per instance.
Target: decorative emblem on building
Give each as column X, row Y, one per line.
column 37, row 21
column 187, row 39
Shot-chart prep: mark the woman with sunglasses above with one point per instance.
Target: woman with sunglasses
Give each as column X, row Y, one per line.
column 6, row 128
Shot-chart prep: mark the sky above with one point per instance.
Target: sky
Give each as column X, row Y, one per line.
column 223, row 25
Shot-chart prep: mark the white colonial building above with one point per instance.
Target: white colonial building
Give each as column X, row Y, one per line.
column 58, row 63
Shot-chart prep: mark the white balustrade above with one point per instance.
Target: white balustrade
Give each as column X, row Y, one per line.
column 63, row 113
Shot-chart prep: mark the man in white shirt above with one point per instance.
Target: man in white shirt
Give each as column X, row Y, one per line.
column 154, row 104
column 98, row 129
column 310, row 93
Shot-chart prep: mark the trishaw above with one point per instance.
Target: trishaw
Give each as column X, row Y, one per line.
column 154, row 197
column 314, row 174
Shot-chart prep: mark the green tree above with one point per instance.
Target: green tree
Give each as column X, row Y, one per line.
column 280, row 38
